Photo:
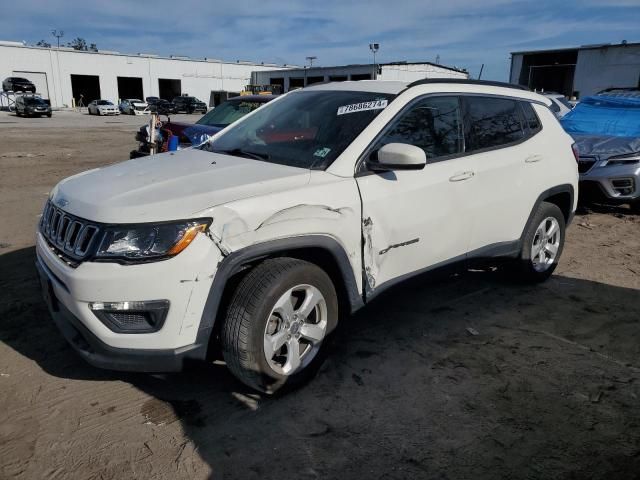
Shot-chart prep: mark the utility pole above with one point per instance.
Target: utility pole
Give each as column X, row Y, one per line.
column 58, row 34
column 374, row 47
column 311, row 59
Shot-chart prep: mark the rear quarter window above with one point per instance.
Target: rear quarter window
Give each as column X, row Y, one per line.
column 531, row 120
column 491, row 122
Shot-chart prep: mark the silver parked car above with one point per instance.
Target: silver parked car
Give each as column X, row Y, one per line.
column 134, row 106
column 606, row 128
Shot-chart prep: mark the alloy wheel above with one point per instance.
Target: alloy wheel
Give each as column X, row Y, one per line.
column 546, row 243
column 295, row 329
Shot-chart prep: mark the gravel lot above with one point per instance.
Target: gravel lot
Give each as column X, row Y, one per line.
column 450, row 377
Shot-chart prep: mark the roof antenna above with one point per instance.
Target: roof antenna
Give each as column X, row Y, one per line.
column 480, row 74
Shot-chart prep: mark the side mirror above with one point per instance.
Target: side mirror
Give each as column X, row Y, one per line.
column 399, row 156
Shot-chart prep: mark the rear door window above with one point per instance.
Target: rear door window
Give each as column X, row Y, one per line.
column 491, row 122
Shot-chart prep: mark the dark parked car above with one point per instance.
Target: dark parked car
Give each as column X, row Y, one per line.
column 163, row 107
column 189, row 104
column 18, row 84
column 210, row 124
column 29, row 106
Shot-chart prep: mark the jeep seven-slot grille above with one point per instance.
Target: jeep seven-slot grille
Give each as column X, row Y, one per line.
column 71, row 237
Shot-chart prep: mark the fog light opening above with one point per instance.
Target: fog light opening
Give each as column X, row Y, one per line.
column 131, row 316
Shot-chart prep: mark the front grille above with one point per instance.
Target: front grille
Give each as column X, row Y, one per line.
column 585, row 164
column 71, row 237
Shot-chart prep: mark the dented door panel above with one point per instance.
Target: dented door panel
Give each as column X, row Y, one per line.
column 413, row 219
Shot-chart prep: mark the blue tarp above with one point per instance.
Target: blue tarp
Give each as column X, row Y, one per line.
column 604, row 115
column 198, row 134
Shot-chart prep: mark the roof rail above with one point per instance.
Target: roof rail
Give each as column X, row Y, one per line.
column 487, row 83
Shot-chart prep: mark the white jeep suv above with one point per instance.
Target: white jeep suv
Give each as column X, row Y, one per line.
column 256, row 242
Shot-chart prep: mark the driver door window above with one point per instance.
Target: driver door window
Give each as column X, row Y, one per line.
column 433, row 124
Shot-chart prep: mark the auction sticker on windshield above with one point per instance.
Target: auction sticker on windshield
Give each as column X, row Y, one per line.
column 362, row 106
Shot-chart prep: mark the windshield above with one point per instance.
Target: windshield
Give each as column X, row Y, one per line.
column 104, row 102
column 227, row 113
column 34, row 101
column 306, row 129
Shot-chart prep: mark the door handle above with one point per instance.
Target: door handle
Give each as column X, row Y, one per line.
column 459, row 177
column 533, row 158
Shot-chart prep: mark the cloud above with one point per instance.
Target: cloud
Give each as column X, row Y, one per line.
column 465, row 33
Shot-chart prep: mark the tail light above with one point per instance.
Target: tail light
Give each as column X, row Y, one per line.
column 576, row 153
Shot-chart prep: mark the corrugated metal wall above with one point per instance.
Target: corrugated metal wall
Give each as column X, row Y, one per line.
column 607, row 67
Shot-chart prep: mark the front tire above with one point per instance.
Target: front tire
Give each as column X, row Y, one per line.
column 278, row 322
column 542, row 244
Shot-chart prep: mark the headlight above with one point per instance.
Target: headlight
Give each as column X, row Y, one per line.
column 149, row 241
column 624, row 159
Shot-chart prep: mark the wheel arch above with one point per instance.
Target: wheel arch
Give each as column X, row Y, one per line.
column 562, row 196
column 321, row 250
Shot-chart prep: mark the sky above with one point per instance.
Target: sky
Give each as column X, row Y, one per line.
column 462, row 33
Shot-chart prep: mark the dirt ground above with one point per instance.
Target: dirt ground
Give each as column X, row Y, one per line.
column 459, row 376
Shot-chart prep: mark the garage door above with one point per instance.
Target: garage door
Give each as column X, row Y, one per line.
column 39, row 79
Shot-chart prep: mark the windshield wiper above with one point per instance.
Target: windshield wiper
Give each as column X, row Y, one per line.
column 239, row 152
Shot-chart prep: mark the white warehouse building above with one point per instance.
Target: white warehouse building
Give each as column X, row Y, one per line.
column 292, row 78
column 63, row 74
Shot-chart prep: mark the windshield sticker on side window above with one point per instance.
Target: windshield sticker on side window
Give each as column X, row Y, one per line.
column 363, row 106
column 322, row 152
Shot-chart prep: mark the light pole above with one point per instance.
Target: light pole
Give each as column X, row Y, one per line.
column 311, row 59
column 58, row 34
column 374, row 47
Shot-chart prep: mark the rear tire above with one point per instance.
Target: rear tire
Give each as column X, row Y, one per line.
column 542, row 245
column 277, row 324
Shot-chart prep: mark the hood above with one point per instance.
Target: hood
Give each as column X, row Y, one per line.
column 171, row 186
column 605, row 146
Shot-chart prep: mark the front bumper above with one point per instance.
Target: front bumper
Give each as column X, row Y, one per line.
column 615, row 183
column 184, row 281
column 38, row 112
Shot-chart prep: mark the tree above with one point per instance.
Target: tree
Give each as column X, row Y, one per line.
column 42, row 43
column 80, row 43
